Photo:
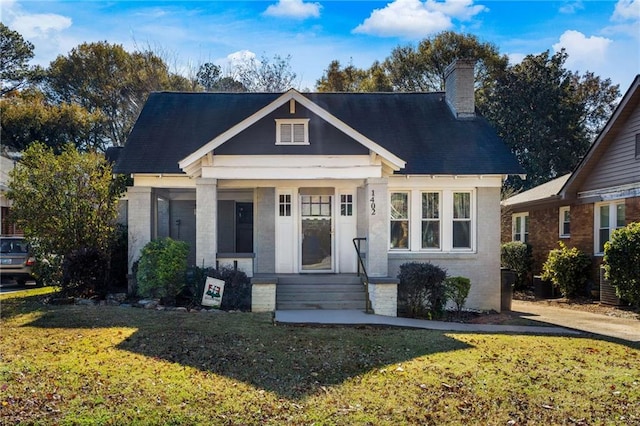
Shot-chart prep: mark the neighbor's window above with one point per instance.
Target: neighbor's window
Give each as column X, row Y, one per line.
column 292, row 131
column 461, row 220
column 565, row 222
column 399, row 215
column 520, row 227
column 609, row 217
column 430, row 220
column 637, row 146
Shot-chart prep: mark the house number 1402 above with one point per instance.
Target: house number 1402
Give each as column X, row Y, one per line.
column 373, row 202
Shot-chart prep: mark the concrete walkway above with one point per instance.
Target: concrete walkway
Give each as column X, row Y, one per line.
column 619, row 328
column 553, row 321
column 348, row 317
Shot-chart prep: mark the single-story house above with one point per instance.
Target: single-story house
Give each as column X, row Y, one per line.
column 285, row 185
column 583, row 208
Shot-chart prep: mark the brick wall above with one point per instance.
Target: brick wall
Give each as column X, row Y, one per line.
column 632, row 210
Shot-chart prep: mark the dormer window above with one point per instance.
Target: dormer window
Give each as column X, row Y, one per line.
column 292, row 131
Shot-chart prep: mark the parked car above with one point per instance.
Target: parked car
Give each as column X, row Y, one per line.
column 16, row 260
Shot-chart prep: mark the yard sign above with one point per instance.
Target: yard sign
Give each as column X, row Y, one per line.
column 213, row 290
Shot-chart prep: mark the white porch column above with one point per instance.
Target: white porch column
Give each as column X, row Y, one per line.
column 206, row 222
column 377, row 204
column 139, row 220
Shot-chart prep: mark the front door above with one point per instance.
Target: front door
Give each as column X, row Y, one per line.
column 316, row 228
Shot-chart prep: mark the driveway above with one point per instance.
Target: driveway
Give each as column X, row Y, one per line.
column 619, row 328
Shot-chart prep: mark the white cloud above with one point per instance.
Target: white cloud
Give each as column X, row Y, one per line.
column 571, row 7
column 297, row 9
column 40, row 25
column 415, row 18
column 627, row 10
column 581, row 49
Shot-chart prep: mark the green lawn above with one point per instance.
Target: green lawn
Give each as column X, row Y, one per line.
column 116, row 365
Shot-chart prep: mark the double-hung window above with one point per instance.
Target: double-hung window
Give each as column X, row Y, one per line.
column 565, row 222
column 461, row 220
column 399, row 215
column 609, row 217
column 430, row 220
column 520, row 227
column 292, row 131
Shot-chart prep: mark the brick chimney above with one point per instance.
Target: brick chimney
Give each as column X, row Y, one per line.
column 459, row 88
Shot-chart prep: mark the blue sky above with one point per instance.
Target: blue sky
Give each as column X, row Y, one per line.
column 600, row 36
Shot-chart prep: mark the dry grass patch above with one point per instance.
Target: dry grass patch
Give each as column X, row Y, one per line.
column 114, row 365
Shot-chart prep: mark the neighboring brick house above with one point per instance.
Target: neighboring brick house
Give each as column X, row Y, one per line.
column 584, row 207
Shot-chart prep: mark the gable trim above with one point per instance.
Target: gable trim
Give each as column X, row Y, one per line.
column 192, row 160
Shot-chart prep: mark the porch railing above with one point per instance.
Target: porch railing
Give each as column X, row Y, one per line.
column 362, row 272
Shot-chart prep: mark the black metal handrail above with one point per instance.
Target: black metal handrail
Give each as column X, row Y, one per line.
column 361, row 267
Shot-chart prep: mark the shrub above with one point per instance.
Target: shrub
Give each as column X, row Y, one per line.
column 162, row 268
column 567, row 269
column 622, row 262
column 517, row 256
column 237, row 287
column 84, row 273
column 458, row 290
column 422, row 289
column 119, row 258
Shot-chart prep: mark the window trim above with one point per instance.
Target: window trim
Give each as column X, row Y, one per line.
column 292, row 122
column 436, row 219
column 524, row 232
column 613, row 218
column 561, row 222
column 407, row 220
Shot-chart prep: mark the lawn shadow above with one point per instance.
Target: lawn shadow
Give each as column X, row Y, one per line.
column 291, row 361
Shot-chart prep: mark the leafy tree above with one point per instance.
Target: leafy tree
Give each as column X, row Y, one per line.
column 547, row 115
column 622, row 262
column 208, row 76
column 64, row 202
column 338, row 79
column 265, row 75
column 14, row 60
column 27, row 117
column 353, row 79
column 104, row 78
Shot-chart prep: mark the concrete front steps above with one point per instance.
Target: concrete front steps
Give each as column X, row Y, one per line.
column 320, row 291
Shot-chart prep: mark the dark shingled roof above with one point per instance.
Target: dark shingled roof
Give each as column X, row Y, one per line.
column 417, row 127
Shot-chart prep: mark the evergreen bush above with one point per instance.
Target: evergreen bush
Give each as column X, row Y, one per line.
column 458, row 291
column 622, row 262
column 162, row 268
column 568, row 269
column 237, row 287
column 518, row 257
column 84, row 273
column 422, row 289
